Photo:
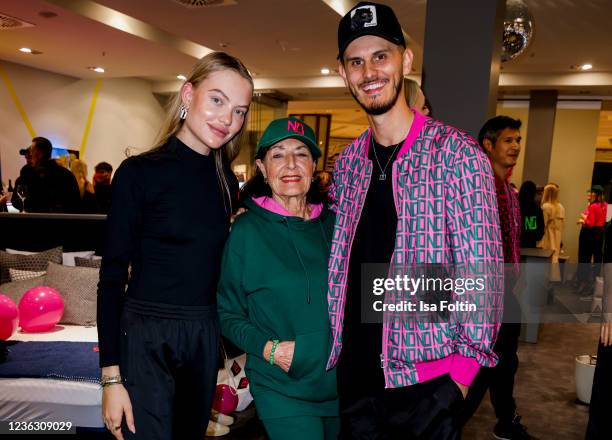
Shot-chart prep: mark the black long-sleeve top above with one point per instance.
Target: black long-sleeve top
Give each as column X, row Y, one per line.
column 169, row 219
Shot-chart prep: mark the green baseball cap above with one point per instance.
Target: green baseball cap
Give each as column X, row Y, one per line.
column 287, row 128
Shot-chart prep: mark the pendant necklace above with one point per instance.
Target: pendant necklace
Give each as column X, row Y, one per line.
column 383, row 176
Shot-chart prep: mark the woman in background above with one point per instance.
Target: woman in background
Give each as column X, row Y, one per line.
column 416, row 98
column 169, row 220
column 86, row 189
column 590, row 241
column 554, row 216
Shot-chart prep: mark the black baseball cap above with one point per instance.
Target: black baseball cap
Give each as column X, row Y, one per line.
column 368, row 18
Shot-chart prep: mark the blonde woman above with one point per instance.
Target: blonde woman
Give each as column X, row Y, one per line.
column 169, row 220
column 86, row 189
column 415, row 97
column 554, row 216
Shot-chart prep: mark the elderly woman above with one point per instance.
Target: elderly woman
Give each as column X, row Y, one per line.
column 272, row 292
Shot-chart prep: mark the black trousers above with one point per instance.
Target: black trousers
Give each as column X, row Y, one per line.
column 169, row 358
column 498, row 380
column 590, row 246
column 421, row 411
column 600, row 409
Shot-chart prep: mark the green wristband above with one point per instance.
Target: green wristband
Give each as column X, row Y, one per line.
column 274, row 345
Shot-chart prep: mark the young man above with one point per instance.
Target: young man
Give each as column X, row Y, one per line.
column 500, row 138
column 408, row 191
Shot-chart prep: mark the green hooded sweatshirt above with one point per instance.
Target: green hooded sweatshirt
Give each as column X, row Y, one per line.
column 274, row 286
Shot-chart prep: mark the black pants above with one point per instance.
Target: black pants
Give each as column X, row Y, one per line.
column 498, row 380
column 421, row 411
column 590, row 244
column 169, row 360
column 600, row 423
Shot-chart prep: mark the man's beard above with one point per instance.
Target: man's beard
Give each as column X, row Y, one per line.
column 376, row 109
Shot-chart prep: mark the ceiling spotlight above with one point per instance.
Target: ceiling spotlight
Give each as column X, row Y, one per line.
column 97, row 69
column 586, row 67
column 25, row 50
column 181, row 77
column 325, row 71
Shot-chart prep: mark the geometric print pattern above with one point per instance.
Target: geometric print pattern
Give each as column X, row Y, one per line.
column 445, row 197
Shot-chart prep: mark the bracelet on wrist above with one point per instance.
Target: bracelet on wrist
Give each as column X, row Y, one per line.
column 275, row 343
column 111, row 380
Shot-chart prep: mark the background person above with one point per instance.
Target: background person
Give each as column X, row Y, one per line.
column 274, row 306
column 159, row 339
column 500, row 138
column 532, row 218
column 590, row 240
column 86, row 189
column 102, row 186
column 49, row 186
column 415, row 96
column 554, row 217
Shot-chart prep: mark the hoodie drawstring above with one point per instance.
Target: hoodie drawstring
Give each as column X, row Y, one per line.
column 301, row 262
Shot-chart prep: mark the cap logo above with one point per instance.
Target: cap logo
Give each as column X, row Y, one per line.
column 362, row 17
column 296, row 127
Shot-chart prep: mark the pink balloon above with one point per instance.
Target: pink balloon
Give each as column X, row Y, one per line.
column 40, row 309
column 9, row 315
column 226, row 399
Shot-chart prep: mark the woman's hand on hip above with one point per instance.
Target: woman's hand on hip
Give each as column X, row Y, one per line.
column 116, row 403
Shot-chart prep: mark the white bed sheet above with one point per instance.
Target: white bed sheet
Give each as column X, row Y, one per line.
column 50, row 399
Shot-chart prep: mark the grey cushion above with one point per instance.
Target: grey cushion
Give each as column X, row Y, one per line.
column 87, row 262
column 78, row 287
column 34, row 262
column 16, row 289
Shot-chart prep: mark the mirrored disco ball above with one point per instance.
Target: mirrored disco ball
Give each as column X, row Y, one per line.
column 518, row 29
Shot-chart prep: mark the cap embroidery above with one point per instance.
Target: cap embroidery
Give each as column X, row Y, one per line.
column 295, row 126
column 364, row 16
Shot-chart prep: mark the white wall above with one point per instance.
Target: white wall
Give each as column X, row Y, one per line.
column 126, row 115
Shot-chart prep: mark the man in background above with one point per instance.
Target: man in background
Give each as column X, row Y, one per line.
column 102, row 186
column 49, row 187
column 500, row 138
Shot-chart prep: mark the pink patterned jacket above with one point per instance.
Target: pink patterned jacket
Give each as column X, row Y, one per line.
column 446, row 205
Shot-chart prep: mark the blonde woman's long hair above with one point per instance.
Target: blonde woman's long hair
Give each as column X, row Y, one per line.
column 411, row 91
column 551, row 194
column 79, row 169
column 213, row 62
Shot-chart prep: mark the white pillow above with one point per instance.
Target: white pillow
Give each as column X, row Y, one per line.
column 22, row 275
column 16, row 252
column 68, row 257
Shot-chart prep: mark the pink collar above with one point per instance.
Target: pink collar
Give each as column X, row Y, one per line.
column 415, row 129
column 269, row 204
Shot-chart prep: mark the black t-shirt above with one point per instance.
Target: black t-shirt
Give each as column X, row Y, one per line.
column 169, row 220
column 359, row 370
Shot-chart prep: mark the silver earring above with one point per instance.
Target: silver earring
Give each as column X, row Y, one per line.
column 182, row 111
